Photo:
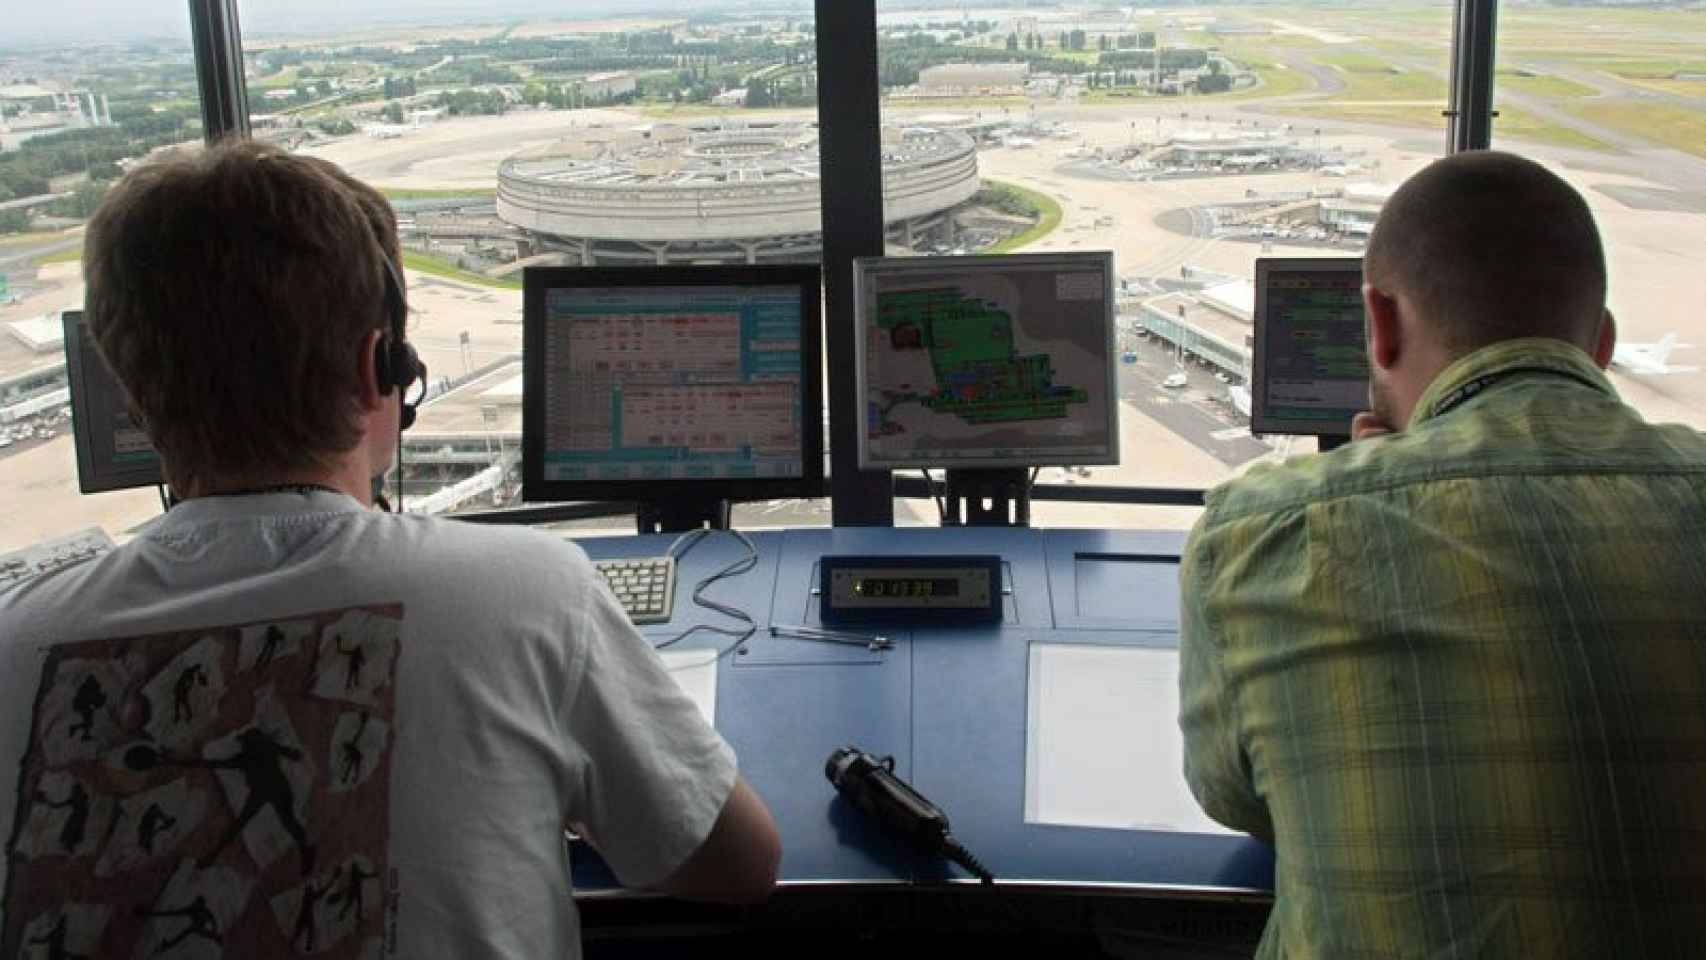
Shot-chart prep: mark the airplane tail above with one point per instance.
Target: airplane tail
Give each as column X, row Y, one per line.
column 1662, row 349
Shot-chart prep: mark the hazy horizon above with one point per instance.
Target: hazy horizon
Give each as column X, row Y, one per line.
column 88, row 21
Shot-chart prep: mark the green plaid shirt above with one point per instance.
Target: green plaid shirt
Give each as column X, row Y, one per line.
column 1457, row 675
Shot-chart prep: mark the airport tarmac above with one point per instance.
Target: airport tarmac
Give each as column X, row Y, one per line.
column 1657, row 286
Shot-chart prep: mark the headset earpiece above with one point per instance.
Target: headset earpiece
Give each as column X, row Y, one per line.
column 395, row 361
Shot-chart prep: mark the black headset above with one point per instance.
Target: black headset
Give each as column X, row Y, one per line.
column 394, row 358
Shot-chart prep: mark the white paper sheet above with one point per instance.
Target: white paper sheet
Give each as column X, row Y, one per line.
column 1103, row 747
column 696, row 673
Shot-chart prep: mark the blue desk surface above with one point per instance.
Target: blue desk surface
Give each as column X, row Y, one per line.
column 948, row 703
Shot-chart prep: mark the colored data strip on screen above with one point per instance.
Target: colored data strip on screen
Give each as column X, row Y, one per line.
column 1310, row 368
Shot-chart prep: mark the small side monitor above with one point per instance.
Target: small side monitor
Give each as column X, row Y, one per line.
column 1311, row 363
column 113, row 452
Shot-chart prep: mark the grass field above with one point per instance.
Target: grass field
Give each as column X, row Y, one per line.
column 1672, row 126
column 1676, row 88
column 1521, row 125
column 31, row 238
column 1277, row 79
column 1368, row 77
column 1046, row 222
column 276, row 81
column 68, row 255
column 1656, row 68
column 440, row 267
column 1541, row 85
column 1402, row 114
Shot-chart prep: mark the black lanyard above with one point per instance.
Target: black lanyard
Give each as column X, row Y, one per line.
column 1474, row 388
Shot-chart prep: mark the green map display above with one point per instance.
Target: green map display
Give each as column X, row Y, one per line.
column 980, row 378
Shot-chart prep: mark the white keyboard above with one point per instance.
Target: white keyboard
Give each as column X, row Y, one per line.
column 645, row 586
column 39, row 558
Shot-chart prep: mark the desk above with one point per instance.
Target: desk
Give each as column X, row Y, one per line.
column 949, row 704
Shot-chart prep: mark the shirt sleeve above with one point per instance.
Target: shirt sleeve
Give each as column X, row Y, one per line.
column 654, row 775
column 1215, row 764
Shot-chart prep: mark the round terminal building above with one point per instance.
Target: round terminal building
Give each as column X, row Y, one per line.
column 718, row 193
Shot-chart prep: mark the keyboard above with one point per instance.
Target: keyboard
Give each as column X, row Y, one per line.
column 644, row 586
column 39, row 558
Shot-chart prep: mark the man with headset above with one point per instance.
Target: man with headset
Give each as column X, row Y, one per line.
column 490, row 687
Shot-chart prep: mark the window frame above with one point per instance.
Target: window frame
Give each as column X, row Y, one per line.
column 850, row 172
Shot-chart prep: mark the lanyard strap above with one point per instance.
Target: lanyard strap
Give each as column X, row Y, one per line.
column 1474, row 388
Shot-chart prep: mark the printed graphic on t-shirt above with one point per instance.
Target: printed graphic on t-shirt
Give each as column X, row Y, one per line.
column 219, row 792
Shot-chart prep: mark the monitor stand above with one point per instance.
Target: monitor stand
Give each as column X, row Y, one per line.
column 681, row 514
column 1331, row 441
column 988, row 498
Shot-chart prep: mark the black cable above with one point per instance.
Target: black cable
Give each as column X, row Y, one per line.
column 691, row 539
column 952, row 849
column 165, row 501
column 399, row 470
column 941, row 504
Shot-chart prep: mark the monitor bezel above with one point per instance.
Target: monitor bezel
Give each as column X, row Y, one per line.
column 536, row 281
column 91, row 478
column 865, row 267
column 1261, row 422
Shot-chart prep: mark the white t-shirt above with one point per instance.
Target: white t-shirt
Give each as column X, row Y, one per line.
column 283, row 723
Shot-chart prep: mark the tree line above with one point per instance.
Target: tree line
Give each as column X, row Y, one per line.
column 30, row 170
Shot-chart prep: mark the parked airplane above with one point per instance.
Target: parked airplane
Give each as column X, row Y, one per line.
column 385, row 131
column 1650, row 358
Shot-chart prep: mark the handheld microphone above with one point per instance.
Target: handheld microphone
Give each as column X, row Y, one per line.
column 870, row 784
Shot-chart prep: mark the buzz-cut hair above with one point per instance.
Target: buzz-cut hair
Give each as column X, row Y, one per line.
column 1490, row 246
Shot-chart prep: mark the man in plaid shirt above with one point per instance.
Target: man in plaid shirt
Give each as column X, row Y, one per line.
column 1455, row 672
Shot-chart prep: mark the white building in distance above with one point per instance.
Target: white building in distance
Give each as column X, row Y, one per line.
column 606, row 86
column 973, row 76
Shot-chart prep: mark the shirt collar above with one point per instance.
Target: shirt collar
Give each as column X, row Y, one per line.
column 1509, row 358
column 205, row 510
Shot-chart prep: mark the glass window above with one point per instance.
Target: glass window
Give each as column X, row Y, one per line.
column 569, row 139
column 86, row 90
column 1187, row 140
column 1614, row 100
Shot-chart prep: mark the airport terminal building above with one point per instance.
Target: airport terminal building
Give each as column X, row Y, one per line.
column 718, row 193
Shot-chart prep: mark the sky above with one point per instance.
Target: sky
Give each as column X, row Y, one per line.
column 86, row 20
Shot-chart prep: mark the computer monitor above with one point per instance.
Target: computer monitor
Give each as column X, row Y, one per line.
column 672, row 385
column 113, row 453
column 987, row 362
column 1311, row 362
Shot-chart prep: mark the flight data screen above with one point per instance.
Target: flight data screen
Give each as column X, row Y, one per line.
column 115, row 451
column 980, row 364
column 1315, row 371
column 664, row 383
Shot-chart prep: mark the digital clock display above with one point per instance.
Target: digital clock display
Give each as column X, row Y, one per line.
column 906, row 587
column 959, row 589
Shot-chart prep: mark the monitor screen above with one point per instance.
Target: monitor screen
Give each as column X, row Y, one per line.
column 983, row 362
column 637, row 381
column 1311, row 362
column 113, row 453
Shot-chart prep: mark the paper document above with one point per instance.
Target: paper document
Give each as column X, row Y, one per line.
column 1103, row 747
column 695, row 671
